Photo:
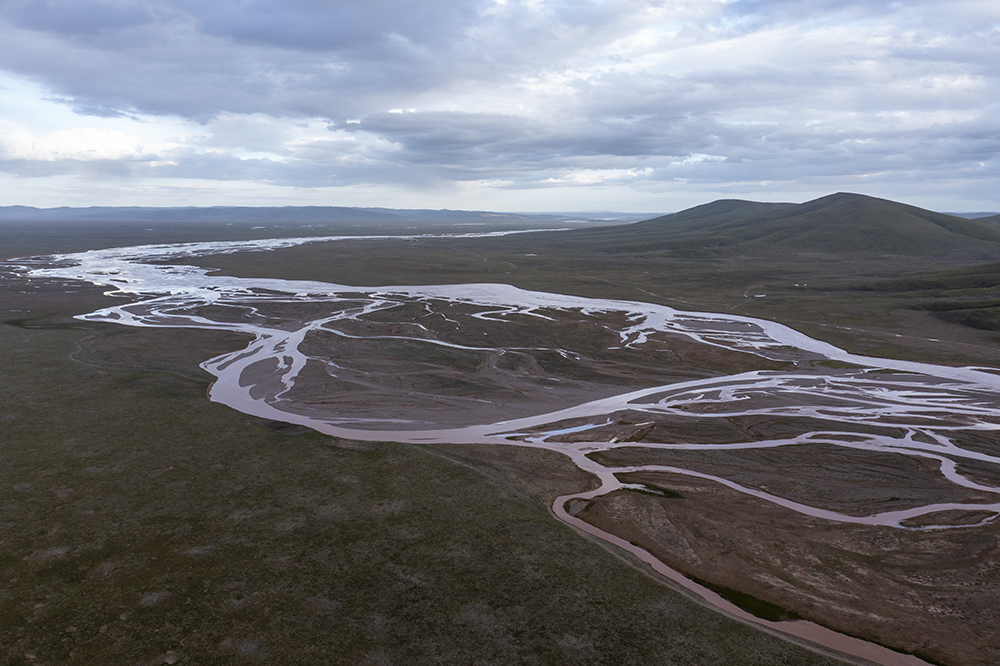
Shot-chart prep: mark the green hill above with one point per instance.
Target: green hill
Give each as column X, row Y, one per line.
column 838, row 224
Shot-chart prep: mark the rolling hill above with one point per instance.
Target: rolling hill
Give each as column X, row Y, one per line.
column 838, row 224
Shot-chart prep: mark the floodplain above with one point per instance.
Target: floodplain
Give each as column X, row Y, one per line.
column 746, row 463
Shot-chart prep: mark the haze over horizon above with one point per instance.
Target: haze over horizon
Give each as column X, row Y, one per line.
column 506, row 105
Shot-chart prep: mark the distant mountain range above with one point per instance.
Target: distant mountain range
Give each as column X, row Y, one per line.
column 193, row 214
column 300, row 215
column 974, row 216
column 25, row 230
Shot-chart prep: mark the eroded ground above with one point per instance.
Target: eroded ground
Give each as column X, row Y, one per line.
column 933, row 593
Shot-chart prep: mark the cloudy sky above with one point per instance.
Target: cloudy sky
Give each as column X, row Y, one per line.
column 545, row 105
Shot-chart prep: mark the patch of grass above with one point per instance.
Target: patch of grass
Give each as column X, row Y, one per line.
column 751, row 604
column 984, row 318
column 142, row 523
column 824, row 305
column 839, row 365
column 150, row 521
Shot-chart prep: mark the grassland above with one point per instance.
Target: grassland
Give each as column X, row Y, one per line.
column 829, row 297
column 142, row 524
column 926, row 594
column 152, row 526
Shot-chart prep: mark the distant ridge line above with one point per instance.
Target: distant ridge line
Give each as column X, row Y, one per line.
column 271, row 214
column 842, row 223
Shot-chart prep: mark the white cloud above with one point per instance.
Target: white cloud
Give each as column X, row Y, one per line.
column 83, row 144
column 448, row 97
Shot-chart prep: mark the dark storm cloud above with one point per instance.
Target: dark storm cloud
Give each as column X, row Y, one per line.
column 348, row 25
column 464, row 139
column 292, row 57
column 74, row 19
column 524, row 91
column 509, row 147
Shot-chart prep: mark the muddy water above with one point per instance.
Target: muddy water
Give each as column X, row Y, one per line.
column 928, row 403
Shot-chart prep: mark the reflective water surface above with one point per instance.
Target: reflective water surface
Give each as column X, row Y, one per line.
column 494, row 364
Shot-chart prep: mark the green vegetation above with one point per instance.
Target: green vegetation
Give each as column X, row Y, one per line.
column 966, row 296
column 837, row 224
column 147, row 525
column 751, row 604
column 853, row 293
column 143, row 524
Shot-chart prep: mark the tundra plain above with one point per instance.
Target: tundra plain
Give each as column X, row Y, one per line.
column 127, row 513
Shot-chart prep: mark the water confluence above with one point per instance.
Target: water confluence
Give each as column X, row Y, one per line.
column 929, row 403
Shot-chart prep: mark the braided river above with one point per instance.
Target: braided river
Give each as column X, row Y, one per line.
column 471, row 363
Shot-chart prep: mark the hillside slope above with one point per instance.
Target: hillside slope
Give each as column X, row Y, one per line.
column 839, row 224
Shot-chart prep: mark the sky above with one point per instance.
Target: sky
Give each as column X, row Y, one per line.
column 508, row 105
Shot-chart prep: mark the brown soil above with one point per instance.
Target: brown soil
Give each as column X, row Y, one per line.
column 934, row 594
column 850, row 481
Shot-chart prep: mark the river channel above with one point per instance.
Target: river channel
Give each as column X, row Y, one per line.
column 302, row 367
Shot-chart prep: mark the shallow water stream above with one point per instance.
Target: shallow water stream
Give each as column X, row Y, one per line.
column 280, row 375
